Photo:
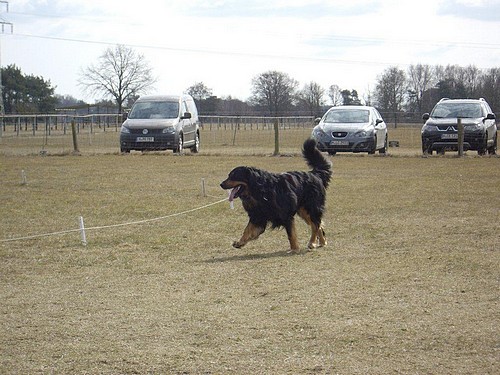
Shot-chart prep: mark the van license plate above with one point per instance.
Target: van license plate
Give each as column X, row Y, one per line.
column 145, row 139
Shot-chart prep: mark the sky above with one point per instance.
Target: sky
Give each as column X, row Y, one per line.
column 226, row 43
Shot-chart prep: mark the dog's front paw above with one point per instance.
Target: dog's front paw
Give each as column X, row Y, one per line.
column 312, row 245
column 237, row 244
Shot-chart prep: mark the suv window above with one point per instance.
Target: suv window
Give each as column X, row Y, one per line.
column 455, row 110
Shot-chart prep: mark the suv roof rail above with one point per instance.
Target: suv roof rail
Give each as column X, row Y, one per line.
column 443, row 99
column 482, row 99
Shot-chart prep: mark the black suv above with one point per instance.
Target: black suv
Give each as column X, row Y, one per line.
column 440, row 131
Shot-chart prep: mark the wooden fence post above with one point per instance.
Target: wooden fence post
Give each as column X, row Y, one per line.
column 460, row 137
column 276, row 137
column 75, row 140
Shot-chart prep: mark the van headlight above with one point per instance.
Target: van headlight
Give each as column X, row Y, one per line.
column 124, row 130
column 168, row 130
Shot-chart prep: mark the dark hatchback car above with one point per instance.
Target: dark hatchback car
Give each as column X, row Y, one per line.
column 440, row 131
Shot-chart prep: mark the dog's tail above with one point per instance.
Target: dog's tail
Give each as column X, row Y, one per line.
column 315, row 159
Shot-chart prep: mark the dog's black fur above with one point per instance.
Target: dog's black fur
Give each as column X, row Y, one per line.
column 276, row 198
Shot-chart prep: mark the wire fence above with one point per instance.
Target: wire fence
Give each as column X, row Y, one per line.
column 100, row 133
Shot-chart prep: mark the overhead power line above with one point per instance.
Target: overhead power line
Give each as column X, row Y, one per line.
column 312, row 37
column 234, row 53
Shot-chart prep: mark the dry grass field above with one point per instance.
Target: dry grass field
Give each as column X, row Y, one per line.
column 408, row 284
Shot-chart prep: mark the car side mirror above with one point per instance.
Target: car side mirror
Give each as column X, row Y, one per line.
column 490, row 116
column 317, row 120
column 186, row 116
column 378, row 121
column 124, row 116
column 425, row 116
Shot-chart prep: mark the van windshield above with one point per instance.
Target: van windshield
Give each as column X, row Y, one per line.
column 152, row 110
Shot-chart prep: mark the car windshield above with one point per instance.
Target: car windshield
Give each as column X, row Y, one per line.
column 347, row 116
column 152, row 110
column 456, row 110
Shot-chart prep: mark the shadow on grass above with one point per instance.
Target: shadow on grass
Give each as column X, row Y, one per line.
column 247, row 257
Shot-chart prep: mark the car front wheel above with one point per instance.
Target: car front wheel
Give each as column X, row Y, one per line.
column 383, row 149
column 372, row 151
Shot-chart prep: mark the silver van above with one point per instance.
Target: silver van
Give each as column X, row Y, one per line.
column 161, row 122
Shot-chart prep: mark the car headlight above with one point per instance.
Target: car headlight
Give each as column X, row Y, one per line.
column 318, row 133
column 364, row 133
column 124, row 130
column 429, row 128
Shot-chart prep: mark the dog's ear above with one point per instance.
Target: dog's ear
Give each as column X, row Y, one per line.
column 253, row 174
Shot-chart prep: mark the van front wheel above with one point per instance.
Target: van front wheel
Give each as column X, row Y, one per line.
column 180, row 145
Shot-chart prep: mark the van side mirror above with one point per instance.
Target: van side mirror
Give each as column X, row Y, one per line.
column 425, row 116
column 317, row 120
column 186, row 116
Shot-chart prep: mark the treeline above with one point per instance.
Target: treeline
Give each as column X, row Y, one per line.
column 397, row 93
column 26, row 93
column 417, row 89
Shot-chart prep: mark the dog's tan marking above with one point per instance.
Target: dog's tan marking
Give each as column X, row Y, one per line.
column 317, row 232
column 292, row 237
column 251, row 232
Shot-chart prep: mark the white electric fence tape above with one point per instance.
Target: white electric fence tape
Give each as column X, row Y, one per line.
column 82, row 229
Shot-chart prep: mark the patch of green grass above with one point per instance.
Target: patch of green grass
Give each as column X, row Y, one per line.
column 408, row 282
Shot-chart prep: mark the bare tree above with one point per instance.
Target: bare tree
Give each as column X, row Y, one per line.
column 274, row 91
column 391, row 90
column 335, row 95
column 420, row 79
column 350, row 97
column 312, row 97
column 368, row 97
column 119, row 74
column 491, row 88
column 199, row 91
column 472, row 81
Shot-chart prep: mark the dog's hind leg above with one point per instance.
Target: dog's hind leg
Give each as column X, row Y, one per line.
column 317, row 232
column 292, row 236
column 251, row 232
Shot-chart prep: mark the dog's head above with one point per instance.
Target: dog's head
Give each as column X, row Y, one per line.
column 238, row 181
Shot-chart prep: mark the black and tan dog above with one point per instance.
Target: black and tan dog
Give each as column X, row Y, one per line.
column 276, row 198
